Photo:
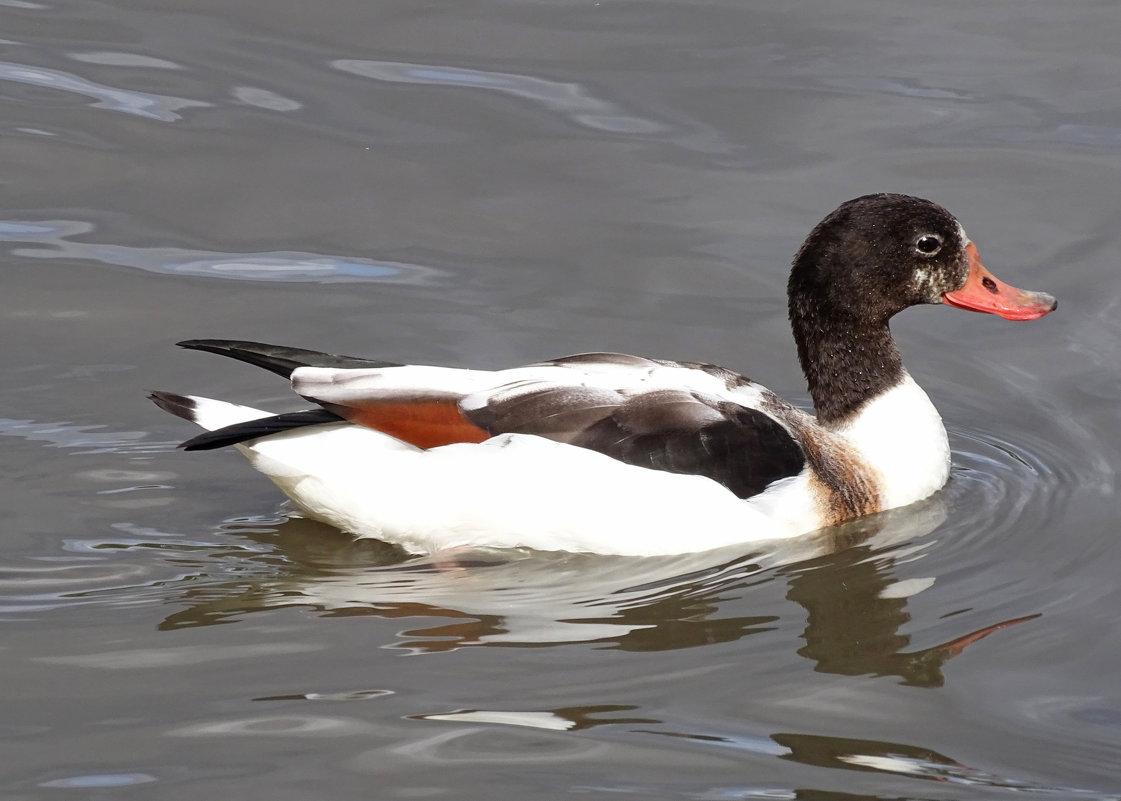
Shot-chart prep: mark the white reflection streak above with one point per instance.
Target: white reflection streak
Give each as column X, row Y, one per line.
column 140, row 658
column 142, row 104
column 115, row 58
column 533, row 720
column 569, row 99
column 54, row 236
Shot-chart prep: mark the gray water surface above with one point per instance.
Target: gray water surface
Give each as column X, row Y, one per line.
column 486, row 184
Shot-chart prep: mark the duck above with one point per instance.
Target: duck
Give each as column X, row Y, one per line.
column 626, row 455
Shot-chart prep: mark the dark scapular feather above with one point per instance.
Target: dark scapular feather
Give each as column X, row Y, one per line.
column 745, row 451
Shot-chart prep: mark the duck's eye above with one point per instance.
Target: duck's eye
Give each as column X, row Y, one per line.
column 928, row 244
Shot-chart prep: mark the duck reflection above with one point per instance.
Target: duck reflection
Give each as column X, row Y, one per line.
column 875, row 756
column 866, row 756
column 843, row 578
column 854, row 612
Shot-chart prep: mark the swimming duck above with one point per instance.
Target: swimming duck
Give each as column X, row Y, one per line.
column 618, row 454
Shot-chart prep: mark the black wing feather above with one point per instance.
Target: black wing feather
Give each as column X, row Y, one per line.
column 262, row 427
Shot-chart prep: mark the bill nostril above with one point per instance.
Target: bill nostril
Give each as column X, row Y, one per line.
column 989, row 284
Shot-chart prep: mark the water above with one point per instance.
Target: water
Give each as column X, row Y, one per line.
column 491, row 184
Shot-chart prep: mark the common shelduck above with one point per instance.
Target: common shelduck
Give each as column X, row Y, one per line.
column 617, row 454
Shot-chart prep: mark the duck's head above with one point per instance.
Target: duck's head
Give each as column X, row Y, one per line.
column 878, row 254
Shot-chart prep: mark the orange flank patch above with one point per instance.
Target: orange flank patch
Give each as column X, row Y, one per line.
column 425, row 424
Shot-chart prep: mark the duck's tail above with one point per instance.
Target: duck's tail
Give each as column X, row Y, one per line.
column 231, row 424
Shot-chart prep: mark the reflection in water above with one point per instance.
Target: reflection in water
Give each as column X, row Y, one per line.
column 119, row 58
column 142, row 104
column 96, row 781
column 55, row 237
column 165, row 658
column 889, row 86
column 1063, row 132
column 870, row 756
column 501, row 597
column 854, row 613
column 885, row 757
column 573, row 718
column 82, row 439
column 265, row 98
column 348, row 695
column 569, row 99
column 854, row 607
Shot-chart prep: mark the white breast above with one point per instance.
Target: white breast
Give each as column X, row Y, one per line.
column 900, row 436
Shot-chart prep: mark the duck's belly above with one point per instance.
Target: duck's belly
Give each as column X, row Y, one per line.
column 511, row 491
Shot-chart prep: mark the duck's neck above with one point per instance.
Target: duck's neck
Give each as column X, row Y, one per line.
column 847, row 360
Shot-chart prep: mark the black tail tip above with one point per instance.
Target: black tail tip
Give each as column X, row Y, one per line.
column 178, row 405
column 219, row 346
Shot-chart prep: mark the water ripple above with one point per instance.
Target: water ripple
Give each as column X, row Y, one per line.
column 890, row 86
column 569, row 99
column 1061, row 133
column 89, row 438
column 116, row 58
column 159, row 658
column 42, row 587
column 54, row 237
column 98, row 781
column 142, row 104
column 264, row 98
column 1004, row 488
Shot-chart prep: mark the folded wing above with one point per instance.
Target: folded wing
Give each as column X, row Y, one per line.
column 677, row 417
